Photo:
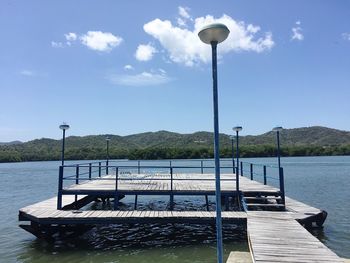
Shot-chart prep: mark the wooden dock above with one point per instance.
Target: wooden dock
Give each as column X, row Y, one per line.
column 277, row 237
column 274, row 222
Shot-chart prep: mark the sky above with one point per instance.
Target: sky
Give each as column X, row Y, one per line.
column 126, row 67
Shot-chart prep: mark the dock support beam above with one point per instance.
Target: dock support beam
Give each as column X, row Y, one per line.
column 116, row 197
column 251, row 172
column 135, row 205
column 171, row 190
column 207, row 202
column 99, row 169
column 60, row 187
column 281, row 177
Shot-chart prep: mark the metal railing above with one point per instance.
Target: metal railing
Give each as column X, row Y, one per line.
column 81, row 172
column 260, row 170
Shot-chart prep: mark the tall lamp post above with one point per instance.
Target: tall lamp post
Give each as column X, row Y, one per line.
column 237, row 129
column 63, row 127
column 233, row 153
column 277, row 130
column 214, row 34
column 107, row 151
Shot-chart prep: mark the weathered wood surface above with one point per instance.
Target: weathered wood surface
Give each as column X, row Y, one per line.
column 300, row 210
column 239, row 257
column 277, row 237
column 52, row 216
column 181, row 183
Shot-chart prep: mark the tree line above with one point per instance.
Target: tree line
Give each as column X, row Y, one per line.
column 21, row 154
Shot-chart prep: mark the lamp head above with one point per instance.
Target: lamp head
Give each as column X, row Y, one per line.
column 232, row 137
column 216, row 32
column 108, row 139
column 277, row 129
column 237, row 128
column 64, row 126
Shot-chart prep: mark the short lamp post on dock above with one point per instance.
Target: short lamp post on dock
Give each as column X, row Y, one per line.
column 63, row 127
column 107, row 153
column 214, row 34
column 233, row 153
column 277, row 130
column 237, row 129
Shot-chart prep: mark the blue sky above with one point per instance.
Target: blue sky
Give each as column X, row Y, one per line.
column 125, row 67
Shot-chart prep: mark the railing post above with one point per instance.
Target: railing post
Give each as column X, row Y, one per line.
column 265, row 175
column 116, row 198
column 107, row 163
column 251, row 172
column 233, row 165
column 138, row 167
column 60, row 187
column 99, row 169
column 90, row 170
column 202, row 166
column 281, row 177
column 171, row 189
column 77, row 174
column 241, row 168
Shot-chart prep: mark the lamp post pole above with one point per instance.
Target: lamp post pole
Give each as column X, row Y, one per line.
column 233, row 154
column 107, row 151
column 217, row 154
column 278, row 150
column 237, row 129
column 214, row 34
column 63, row 127
column 277, row 130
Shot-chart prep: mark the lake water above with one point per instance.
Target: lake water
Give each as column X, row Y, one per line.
column 323, row 182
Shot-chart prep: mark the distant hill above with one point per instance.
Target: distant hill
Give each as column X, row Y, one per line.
column 314, row 140
column 316, row 135
column 10, row 143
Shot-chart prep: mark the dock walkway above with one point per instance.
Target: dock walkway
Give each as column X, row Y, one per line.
column 274, row 234
column 277, row 237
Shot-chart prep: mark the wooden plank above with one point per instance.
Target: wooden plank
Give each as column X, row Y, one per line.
column 277, row 237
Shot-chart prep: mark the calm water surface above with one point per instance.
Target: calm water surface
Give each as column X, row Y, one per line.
column 323, row 182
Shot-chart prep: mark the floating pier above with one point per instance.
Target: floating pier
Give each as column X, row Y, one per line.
column 274, row 222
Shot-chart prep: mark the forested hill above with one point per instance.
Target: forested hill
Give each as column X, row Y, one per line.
column 163, row 144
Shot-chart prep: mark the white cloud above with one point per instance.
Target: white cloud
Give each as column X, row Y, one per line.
column 71, row 36
column 296, row 32
column 346, row 36
column 162, row 71
column 139, row 80
column 181, row 22
column 184, row 16
column 100, row 41
column 184, row 46
column 145, row 52
column 56, row 44
column 28, row 73
column 183, row 11
column 128, row 67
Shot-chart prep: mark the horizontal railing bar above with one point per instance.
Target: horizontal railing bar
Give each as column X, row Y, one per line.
column 143, row 166
column 75, row 164
column 260, row 164
column 144, row 179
